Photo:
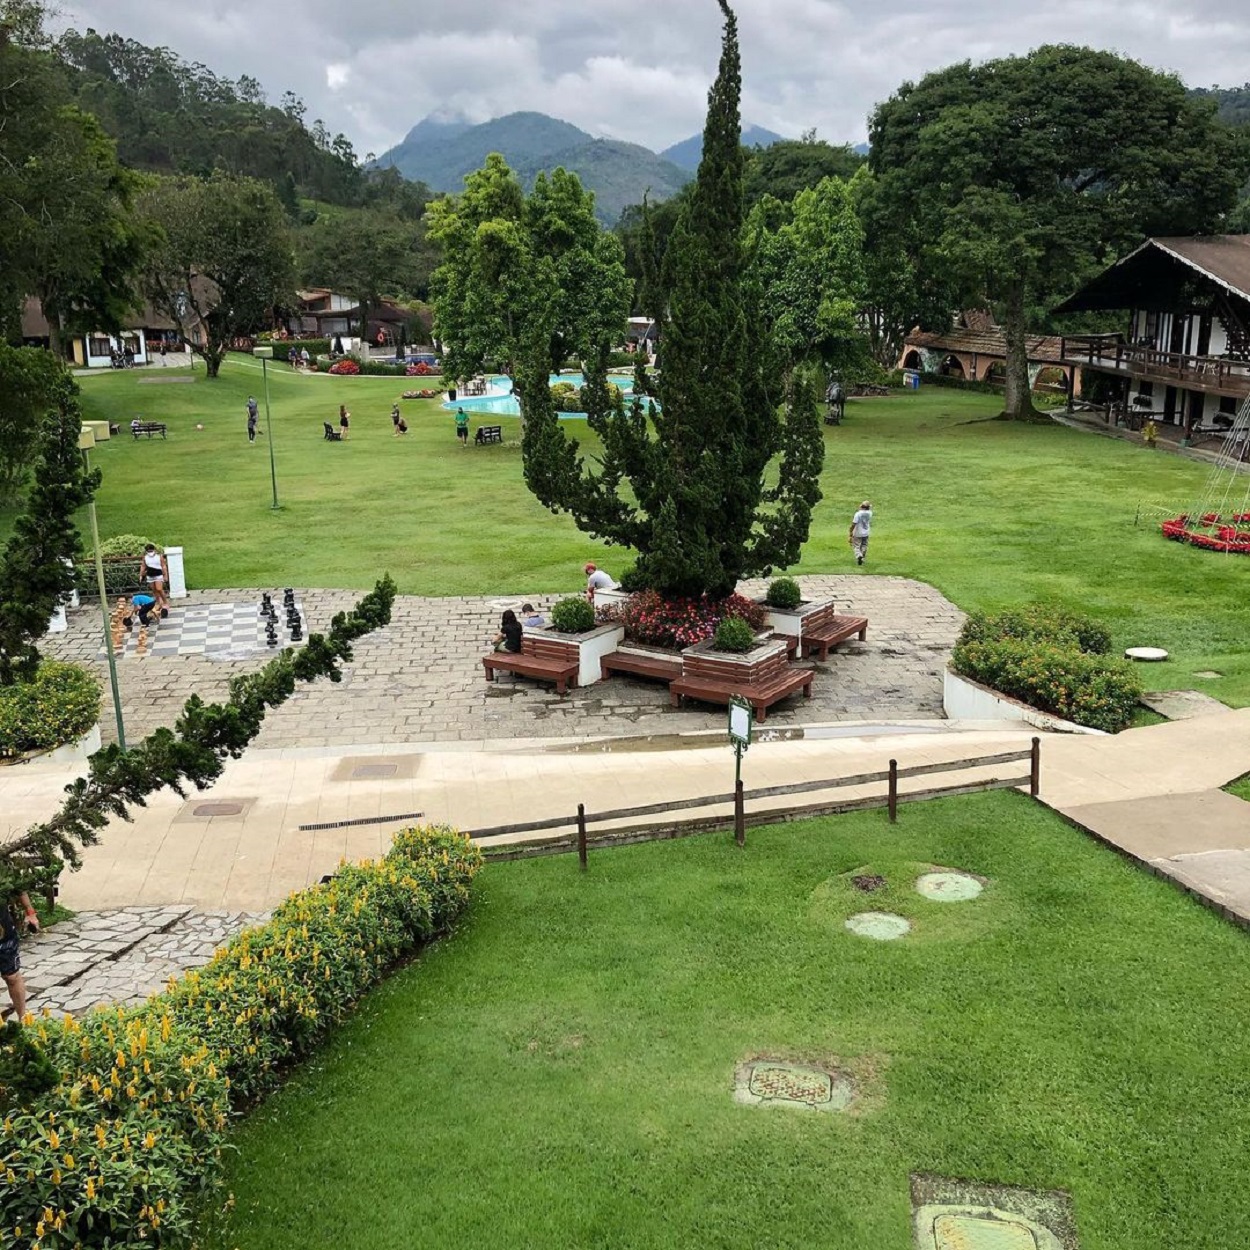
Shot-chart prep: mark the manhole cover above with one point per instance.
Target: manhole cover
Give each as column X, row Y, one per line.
column 1146, row 654
column 363, row 771
column 218, row 809
column 773, row 1082
column 982, row 1232
column 1208, row 674
column 882, row 926
column 948, row 887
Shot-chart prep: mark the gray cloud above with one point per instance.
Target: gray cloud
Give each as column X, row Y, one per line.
column 372, row 71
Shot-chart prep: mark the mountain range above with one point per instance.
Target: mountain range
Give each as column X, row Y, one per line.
column 441, row 149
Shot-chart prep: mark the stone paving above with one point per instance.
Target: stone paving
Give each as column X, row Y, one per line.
column 121, row 956
column 421, row 679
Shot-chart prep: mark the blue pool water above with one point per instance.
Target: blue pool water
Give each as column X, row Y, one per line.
column 500, row 402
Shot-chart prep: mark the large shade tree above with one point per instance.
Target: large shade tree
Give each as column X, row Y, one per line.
column 1020, row 176
column 222, row 260
column 684, row 486
column 513, row 261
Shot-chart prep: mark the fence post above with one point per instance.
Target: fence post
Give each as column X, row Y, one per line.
column 1035, row 767
column 581, row 836
column 893, row 797
column 740, row 819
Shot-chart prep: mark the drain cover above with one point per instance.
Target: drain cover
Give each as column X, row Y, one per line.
column 975, row 1232
column 776, row 1082
column 882, row 926
column 1147, row 654
column 948, row 887
column 218, row 809
column 362, row 771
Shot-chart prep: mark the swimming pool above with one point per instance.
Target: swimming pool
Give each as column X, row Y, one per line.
column 500, row 402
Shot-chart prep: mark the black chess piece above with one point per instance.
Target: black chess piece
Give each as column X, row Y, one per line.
column 296, row 632
column 288, row 596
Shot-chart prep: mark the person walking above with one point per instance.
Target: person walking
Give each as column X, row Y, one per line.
column 164, row 349
column 253, row 416
column 10, row 953
column 462, row 427
column 861, row 527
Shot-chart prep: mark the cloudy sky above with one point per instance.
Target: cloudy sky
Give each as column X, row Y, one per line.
column 640, row 72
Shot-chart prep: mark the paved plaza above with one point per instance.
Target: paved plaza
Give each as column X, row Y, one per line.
column 421, row 678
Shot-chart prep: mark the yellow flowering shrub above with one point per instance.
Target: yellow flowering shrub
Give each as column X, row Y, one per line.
column 122, row 1150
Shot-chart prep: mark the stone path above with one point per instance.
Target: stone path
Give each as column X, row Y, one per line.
column 121, row 956
column 421, row 680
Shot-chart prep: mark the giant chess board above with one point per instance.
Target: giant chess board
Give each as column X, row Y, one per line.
column 215, row 630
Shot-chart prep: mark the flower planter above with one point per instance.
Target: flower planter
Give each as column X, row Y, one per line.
column 587, row 648
column 67, row 753
column 749, row 668
column 965, row 699
column 610, row 598
column 806, row 618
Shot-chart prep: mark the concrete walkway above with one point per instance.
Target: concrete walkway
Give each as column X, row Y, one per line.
column 1155, row 794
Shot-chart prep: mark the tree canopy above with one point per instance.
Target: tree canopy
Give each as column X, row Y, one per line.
column 1018, row 177
column 222, row 256
column 684, row 485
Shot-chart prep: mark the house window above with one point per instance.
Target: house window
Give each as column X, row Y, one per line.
column 1147, row 389
column 98, row 345
column 1228, row 404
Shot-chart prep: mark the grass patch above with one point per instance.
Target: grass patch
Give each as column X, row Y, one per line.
column 1241, row 788
column 559, row 1072
column 993, row 513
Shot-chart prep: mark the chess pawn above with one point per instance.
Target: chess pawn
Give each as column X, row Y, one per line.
column 296, row 632
column 141, row 646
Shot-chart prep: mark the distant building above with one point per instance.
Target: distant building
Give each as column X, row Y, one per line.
column 141, row 334
column 1185, row 353
column 323, row 314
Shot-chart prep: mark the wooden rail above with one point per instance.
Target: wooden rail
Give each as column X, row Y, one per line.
column 891, row 776
column 1112, row 353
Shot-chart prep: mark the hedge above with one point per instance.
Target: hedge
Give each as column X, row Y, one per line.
column 58, row 705
column 122, row 559
column 1052, row 659
column 126, row 1145
column 573, row 616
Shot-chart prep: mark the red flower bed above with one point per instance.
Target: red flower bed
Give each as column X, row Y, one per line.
column 658, row 622
column 1224, row 538
column 346, row 366
column 419, row 370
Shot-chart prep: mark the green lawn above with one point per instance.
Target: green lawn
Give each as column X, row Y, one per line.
column 991, row 513
column 558, row 1073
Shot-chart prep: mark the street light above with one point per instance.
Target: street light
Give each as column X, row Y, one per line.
column 264, row 355
column 86, row 440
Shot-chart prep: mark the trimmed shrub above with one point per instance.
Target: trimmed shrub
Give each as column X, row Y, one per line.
column 565, row 397
column 1053, row 659
column 58, row 705
column 783, row 592
column 733, row 634
column 125, row 1148
column 650, row 619
column 573, row 616
column 1043, row 621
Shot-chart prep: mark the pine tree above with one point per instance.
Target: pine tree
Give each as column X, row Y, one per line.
column 34, row 576
column 698, row 513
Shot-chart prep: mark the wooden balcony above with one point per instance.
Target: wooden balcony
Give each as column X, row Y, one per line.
column 1109, row 352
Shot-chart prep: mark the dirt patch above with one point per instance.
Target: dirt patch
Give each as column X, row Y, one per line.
column 868, row 882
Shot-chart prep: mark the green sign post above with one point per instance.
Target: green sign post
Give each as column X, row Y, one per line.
column 741, row 722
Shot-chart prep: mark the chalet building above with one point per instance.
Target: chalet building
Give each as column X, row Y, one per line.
column 975, row 350
column 323, row 314
column 1185, row 353
column 141, row 335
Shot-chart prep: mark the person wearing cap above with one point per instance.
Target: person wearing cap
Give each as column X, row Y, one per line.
column 861, row 526
column 597, row 579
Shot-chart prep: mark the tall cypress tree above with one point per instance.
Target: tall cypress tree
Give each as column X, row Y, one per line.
column 698, row 514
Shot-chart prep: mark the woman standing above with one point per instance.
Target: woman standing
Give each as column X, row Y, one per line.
column 155, row 574
column 344, row 421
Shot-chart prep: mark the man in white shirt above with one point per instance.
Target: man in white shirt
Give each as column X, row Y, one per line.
column 597, row 579
column 861, row 526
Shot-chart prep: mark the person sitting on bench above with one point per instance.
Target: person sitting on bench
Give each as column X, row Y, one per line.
column 509, row 636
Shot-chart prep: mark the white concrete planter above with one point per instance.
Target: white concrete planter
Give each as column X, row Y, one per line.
column 964, row 699
column 796, row 622
column 75, row 752
column 58, row 624
column 177, row 588
column 610, row 598
column 591, row 647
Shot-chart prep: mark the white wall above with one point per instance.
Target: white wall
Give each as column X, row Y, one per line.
column 136, row 339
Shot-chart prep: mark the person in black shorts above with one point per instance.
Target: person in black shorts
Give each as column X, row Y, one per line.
column 10, row 957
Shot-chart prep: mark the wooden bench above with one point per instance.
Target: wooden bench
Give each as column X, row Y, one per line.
column 761, row 696
column 822, row 639
column 641, row 664
column 147, row 427
column 547, row 659
column 489, row 434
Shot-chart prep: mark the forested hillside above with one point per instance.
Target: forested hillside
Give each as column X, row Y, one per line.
column 1233, row 103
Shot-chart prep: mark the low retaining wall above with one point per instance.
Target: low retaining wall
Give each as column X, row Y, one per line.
column 964, row 699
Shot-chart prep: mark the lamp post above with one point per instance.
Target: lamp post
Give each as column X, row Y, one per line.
column 86, row 440
column 265, row 355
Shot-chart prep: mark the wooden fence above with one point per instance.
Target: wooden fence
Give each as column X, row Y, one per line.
column 578, row 824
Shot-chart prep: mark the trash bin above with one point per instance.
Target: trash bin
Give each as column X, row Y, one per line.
column 911, row 379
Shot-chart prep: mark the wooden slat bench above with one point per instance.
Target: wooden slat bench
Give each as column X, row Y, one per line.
column 641, row 664
column 761, row 696
column 822, row 639
column 548, row 659
column 488, row 434
column 148, row 427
